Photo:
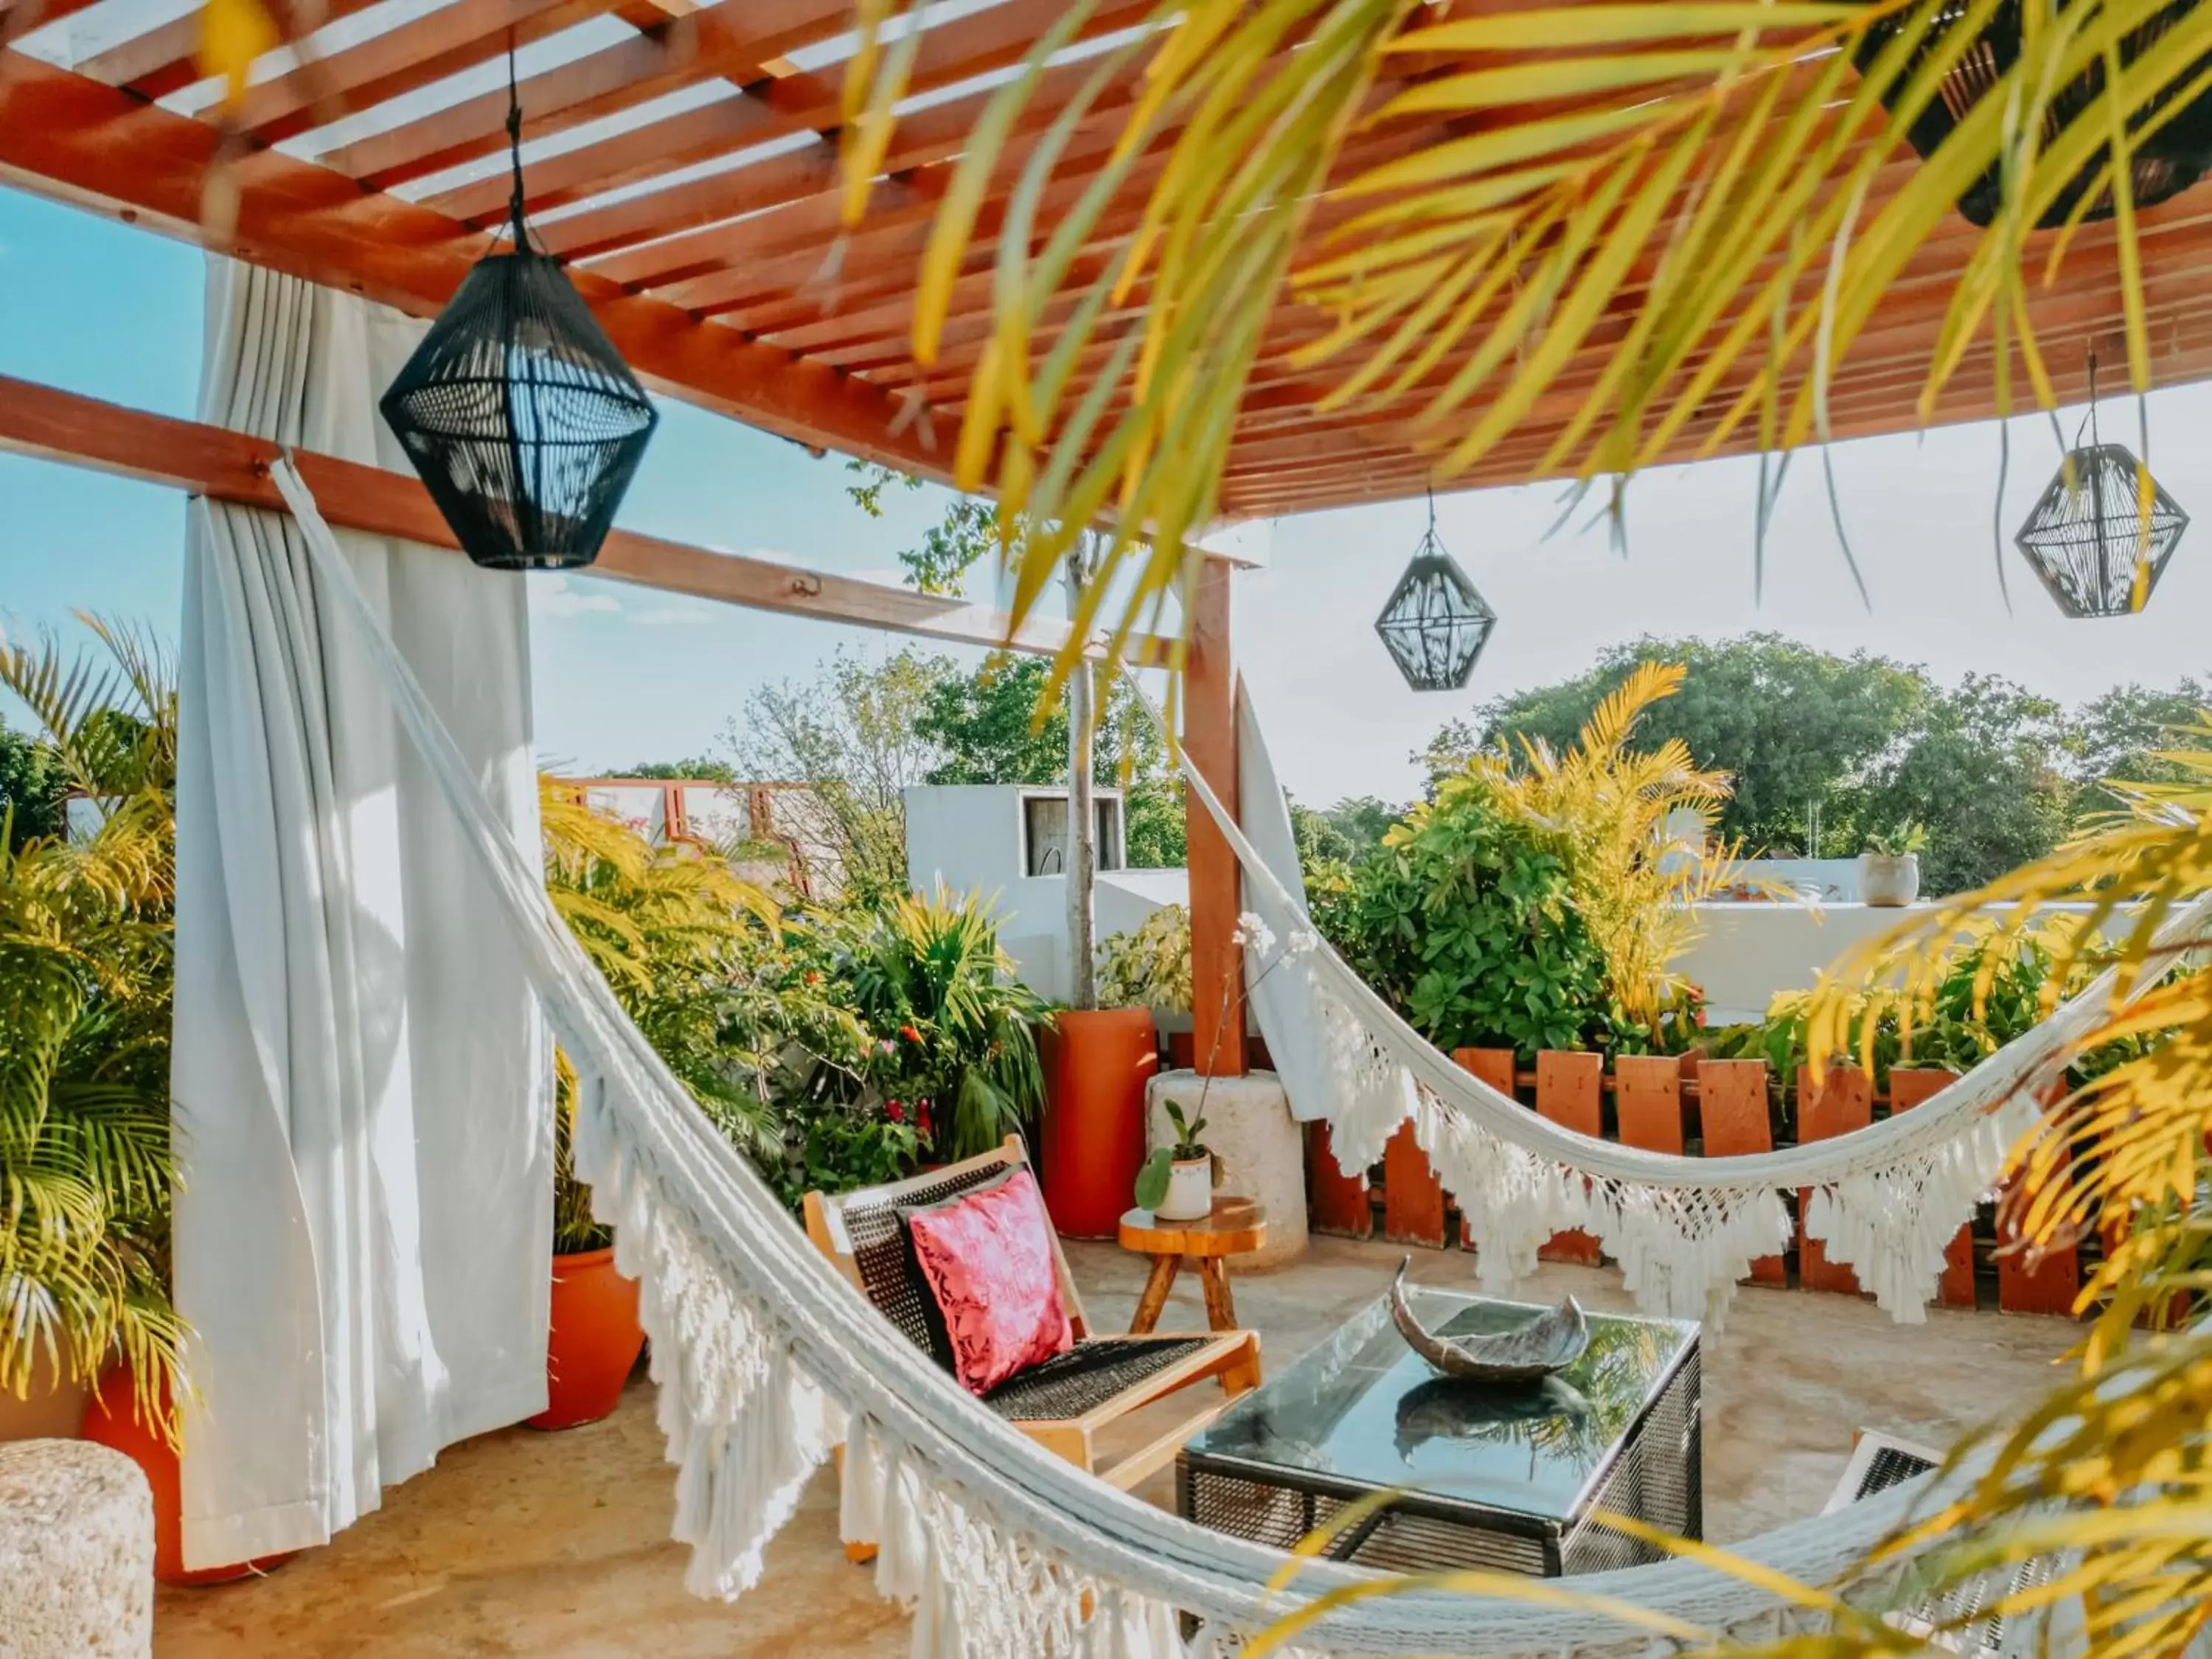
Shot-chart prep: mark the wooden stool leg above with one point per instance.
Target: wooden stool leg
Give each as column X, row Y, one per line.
column 1156, row 1294
column 1220, row 1307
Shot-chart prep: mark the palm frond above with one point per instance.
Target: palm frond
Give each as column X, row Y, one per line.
column 1462, row 207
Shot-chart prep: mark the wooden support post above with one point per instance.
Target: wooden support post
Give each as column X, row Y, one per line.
column 1569, row 1088
column 1733, row 1120
column 1495, row 1067
column 1209, row 737
column 1842, row 1102
column 1908, row 1086
column 1335, row 1202
column 1647, row 1098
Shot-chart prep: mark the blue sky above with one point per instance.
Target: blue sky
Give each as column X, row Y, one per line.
column 624, row 676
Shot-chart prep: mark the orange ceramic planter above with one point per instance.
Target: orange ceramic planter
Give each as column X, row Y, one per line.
column 112, row 1421
column 1096, row 1063
column 594, row 1342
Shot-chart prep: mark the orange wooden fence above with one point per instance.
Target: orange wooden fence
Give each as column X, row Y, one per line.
column 1693, row 1105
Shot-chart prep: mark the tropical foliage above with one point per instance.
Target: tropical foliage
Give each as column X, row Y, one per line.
column 86, row 930
column 2111, row 1473
column 1149, row 966
column 680, row 941
column 958, row 1053
column 1464, row 919
column 1822, row 749
column 1718, row 181
column 1632, row 873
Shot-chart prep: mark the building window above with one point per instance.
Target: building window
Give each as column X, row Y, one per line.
column 1044, row 834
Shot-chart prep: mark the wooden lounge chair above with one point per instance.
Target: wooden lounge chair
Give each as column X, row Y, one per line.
column 1068, row 1400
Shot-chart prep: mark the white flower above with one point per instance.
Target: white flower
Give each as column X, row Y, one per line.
column 1303, row 942
column 1253, row 934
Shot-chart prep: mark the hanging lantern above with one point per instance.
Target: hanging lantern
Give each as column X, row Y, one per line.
column 2089, row 539
column 1435, row 623
column 522, row 419
column 2100, row 536
column 2160, row 164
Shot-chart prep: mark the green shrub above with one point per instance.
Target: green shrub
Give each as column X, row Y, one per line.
column 1148, row 967
column 1462, row 920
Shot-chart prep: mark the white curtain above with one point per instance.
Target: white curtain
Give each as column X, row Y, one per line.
column 361, row 1074
column 1282, row 1000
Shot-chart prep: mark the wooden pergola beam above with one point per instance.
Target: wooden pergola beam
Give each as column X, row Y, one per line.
column 53, row 424
column 63, row 133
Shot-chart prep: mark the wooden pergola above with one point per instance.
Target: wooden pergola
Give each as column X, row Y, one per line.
column 683, row 159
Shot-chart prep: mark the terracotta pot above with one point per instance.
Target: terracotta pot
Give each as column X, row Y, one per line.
column 113, row 1421
column 1096, row 1063
column 594, row 1342
column 54, row 1411
column 1889, row 882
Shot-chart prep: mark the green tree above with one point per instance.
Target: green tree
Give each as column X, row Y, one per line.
column 1983, row 770
column 851, row 733
column 2123, row 734
column 1792, row 726
column 699, row 768
column 32, row 782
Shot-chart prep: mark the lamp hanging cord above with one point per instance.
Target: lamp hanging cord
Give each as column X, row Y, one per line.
column 514, row 150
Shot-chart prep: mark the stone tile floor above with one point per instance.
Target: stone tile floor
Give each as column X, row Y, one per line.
column 556, row 1546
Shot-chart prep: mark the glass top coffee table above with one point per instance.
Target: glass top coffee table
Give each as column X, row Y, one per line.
column 1507, row 1478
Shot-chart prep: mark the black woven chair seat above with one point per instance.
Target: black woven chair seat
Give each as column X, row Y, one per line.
column 1087, row 1376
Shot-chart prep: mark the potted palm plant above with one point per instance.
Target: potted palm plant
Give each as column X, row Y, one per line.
column 1889, row 869
column 87, row 923
column 660, row 923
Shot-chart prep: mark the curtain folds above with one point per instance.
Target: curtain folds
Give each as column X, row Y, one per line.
column 361, row 1074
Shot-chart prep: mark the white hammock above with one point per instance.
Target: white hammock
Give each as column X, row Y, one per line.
column 1884, row 1199
column 766, row 1357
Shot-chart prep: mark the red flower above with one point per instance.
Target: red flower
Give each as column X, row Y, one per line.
column 909, row 1033
column 895, row 1110
column 922, row 1118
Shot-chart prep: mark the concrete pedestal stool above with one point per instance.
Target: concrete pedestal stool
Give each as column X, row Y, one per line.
column 1263, row 1155
column 76, row 1553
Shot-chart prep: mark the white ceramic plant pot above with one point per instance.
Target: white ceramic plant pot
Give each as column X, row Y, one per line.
column 1889, row 880
column 1190, row 1191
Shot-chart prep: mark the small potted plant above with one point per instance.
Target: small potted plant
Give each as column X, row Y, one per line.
column 1889, row 869
column 1176, row 1183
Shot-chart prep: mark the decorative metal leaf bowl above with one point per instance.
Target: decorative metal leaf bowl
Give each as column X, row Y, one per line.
column 1549, row 1342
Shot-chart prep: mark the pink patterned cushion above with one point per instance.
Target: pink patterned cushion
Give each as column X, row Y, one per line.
column 987, row 1257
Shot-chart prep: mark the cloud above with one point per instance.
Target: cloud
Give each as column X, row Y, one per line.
column 673, row 616
column 553, row 597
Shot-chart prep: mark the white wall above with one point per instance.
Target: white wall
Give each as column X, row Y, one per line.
column 1746, row 952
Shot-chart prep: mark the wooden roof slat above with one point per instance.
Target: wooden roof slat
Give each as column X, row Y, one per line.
column 956, row 51
column 455, row 37
column 735, row 39
column 159, row 61
column 935, row 134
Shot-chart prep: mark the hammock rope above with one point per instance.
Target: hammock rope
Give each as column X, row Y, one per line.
column 765, row 1358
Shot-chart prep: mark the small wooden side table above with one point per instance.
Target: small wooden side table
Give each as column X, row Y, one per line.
column 1236, row 1226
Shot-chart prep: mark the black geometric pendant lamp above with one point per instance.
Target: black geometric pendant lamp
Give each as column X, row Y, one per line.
column 523, row 420
column 1435, row 623
column 2088, row 539
column 2162, row 163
